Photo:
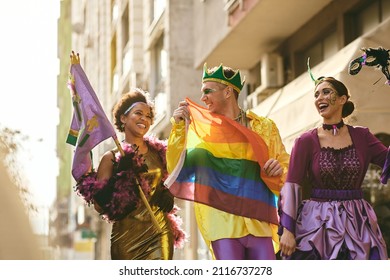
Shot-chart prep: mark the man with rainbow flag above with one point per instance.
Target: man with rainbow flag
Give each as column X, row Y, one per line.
column 232, row 164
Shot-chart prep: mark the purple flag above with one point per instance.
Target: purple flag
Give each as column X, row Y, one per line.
column 90, row 125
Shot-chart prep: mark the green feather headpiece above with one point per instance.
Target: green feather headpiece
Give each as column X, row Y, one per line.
column 219, row 77
column 316, row 81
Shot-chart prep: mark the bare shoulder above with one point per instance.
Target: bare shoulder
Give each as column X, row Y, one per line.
column 110, row 153
column 106, row 165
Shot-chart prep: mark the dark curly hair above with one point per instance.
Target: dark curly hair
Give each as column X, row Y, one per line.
column 128, row 99
column 341, row 90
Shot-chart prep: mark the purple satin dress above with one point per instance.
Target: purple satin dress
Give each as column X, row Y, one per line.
column 336, row 222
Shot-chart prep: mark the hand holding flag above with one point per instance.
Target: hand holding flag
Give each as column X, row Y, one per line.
column 90, row 125
column 90, row 121
column 221, row 167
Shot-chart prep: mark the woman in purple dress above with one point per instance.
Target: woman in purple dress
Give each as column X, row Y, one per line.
column 335, row 222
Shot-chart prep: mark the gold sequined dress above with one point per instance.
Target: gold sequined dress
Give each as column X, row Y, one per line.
column 135, row 237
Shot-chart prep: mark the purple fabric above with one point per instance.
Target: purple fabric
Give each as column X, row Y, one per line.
column 245, row 248
column 329, row 194
column 306, row 153
column 327, row 226
column 343, row 254
column 336, row 221
column 386, row 169
column 93, row 125
column 289, row 200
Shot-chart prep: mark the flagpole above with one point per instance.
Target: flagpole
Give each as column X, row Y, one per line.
column 141, row 192
column 75, row 60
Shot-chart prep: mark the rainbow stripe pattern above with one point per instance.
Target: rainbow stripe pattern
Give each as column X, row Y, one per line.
column 221, row 167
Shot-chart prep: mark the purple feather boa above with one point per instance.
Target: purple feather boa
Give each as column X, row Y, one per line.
column 179, row 235
column 125, row 195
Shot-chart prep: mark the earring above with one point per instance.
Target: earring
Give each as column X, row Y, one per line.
column 122, row 126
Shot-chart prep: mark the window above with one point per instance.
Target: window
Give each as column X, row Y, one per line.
column 385, row 9
column 157, row 8
column 330, row 45
column 369, row 16
column 320, row 50
column 161, row 64
column 114, row 74
column 114, row 10
column 125, row 27
column 126, row 53
column 160, row 74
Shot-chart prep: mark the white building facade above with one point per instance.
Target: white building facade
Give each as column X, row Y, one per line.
column 161, row 46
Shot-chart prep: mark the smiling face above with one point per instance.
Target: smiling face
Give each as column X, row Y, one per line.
column 138, row 120
column 328, row 103
column 214, row 97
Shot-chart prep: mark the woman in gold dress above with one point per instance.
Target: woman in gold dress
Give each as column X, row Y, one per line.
column 116, row 196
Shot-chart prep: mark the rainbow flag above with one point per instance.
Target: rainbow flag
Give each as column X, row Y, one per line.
column 221, row 167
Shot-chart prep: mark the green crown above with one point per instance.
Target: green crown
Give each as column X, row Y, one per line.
column 219, row 77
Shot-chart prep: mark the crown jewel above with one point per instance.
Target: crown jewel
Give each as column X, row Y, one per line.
column 219, row 77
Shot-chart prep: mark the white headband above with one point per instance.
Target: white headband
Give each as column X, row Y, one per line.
column 132, row 106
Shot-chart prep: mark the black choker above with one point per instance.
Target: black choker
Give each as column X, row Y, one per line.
column 334, row 127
